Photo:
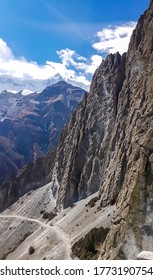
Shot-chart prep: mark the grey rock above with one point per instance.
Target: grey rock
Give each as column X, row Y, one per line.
column 81, row 157
column 108, row 146
column 145, row 255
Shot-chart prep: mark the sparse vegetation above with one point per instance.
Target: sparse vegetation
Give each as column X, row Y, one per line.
column 29, row 193
column 99, row 208
column 87, row 247
column 48, row 215
column 31, row 250
column 92, row 202
column 72, row 205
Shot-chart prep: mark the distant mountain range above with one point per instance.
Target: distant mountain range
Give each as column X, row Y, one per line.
column 29, row 85
column 30, row 125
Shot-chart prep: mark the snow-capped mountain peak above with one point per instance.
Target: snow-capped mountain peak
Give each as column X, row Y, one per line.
column 27, row 85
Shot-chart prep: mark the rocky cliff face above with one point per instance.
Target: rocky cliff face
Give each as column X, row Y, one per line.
column 81, row 157
column 108, row 145
column 132, row 227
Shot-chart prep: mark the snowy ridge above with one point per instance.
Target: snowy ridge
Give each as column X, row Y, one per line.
column 27, row 86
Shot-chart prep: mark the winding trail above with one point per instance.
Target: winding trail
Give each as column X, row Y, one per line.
column 57, row 229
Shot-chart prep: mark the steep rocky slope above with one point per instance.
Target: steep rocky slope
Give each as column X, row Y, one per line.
column 23, row 225
column 108, row 145
column 30, row 125
column 131, row 229
column 81, row 156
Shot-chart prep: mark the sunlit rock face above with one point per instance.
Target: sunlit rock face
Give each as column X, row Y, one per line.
column 108, row 145
column 81, row 158
column 132, row 227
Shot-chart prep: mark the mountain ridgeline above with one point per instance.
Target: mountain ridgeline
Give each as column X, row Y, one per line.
column 30, row 125
column 107, row 146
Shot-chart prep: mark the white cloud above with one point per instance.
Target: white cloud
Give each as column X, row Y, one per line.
column 5, row 51
column 70, row 57
column 95, row 62
column 66, row 56
column 114, row 38
column 70, row 63
column 71, row 67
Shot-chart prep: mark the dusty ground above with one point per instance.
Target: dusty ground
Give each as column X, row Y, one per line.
column 22, row 226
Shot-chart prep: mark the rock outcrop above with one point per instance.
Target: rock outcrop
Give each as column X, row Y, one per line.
column 145, row 255
column 132, row 228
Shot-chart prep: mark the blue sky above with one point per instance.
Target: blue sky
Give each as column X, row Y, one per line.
column 61, row 35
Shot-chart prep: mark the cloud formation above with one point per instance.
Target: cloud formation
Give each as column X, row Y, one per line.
column 71, row 58
column 71, row 65
column 114, row 38
column 5, row 51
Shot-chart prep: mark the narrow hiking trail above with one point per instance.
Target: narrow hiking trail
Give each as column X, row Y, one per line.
column 57, row 229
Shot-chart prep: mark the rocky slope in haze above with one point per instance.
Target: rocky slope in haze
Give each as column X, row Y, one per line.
column 30, row 125
column 108, row 145
column 30, row 177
